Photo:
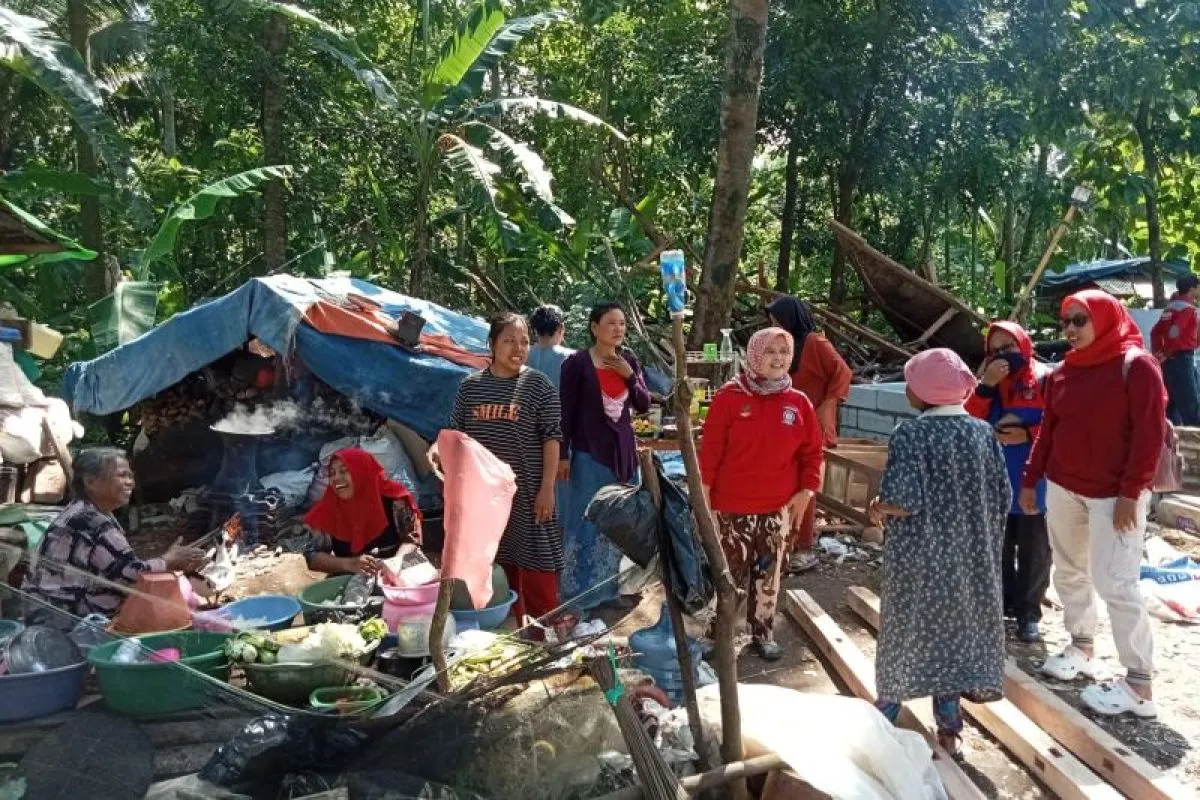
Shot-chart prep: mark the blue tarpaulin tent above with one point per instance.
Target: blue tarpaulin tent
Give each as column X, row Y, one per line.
column 1092, row 271
column 412, row 388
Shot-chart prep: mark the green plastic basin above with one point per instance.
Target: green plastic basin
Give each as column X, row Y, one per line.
column 167, row 688
column 312, row 597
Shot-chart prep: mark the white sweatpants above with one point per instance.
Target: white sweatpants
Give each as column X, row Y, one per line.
column 1090, row 554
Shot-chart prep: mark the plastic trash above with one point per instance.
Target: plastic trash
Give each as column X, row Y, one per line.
column 90, row 632
column 357, row 590
column 269, row 747
column 833, row 547
column 627, row 516
column 656, row 655
column 130, row 652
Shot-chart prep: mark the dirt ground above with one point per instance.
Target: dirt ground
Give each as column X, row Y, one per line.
column 1172, row 742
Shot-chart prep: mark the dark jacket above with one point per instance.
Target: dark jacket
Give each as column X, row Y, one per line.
column 585, row 426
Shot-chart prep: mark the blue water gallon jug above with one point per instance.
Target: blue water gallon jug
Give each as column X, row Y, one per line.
column 655, row 648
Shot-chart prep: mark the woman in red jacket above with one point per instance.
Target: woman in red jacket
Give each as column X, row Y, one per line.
column 761, row 465
column 1098, row 448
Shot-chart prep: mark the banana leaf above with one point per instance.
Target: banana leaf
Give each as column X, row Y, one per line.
column 124, row 315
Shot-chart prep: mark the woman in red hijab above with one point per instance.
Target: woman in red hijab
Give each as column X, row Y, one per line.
column 362, row 517
column 1098, row 449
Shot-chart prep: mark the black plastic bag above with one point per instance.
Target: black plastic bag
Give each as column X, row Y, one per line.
column 626, row 515
column 691, row 575
column 272, row 746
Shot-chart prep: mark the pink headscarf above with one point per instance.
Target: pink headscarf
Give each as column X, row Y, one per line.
column 751, row 380
column 939, row 377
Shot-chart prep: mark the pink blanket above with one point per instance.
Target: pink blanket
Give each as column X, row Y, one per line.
column 479, row 491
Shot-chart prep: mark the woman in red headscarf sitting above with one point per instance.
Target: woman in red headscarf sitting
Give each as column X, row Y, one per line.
column 1098, row 449
column 362, row 518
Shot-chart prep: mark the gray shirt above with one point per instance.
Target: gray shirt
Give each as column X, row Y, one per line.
column 548, row 360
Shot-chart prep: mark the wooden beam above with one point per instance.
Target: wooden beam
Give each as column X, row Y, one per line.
column 1111, row 759
column 946, row 316
column 859, row 674
column 1057, row 768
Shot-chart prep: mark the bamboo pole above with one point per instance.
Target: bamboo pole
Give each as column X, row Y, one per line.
column 437, row 632
column 727, row 601
column 675, row 609
column 1079, row 197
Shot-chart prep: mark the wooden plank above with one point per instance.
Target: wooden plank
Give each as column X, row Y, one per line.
column 1121, row 767
column 859, row 674
column 946, row 316
column 1062, row 772
column 1124, row 769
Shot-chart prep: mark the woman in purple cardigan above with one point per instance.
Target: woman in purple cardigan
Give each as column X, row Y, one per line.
column 600, row 387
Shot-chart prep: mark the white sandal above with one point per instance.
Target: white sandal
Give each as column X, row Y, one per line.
column 1070, row 664
column 1116, row 697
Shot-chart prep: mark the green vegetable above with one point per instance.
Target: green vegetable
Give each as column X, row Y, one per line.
column 266, row 657
column 373, row 629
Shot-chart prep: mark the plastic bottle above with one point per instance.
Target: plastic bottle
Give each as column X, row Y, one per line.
column 130, row 652
column 726, row 350
column 674, row 282
column 655, row 647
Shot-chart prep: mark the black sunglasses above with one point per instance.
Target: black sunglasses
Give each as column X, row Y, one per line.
column 1077, row 320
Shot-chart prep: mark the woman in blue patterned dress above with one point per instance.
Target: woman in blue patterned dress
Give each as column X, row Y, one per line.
column 946, row 493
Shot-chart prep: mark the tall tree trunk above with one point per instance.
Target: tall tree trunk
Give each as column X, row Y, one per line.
column 1150, row 191
column 169, row 147
column 418, row 270
column 1008, row 247
column 91, row 221
column 847, row 187
column 735, row 153
column 1033, row 204
column 9, row 87
column 275, row 242
column 787, row 220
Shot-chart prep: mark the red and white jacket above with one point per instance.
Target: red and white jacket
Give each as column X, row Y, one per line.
column 1178, row 329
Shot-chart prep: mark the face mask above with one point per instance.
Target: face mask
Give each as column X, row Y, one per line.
column 1016, row 361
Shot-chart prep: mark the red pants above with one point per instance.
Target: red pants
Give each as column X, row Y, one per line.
column 804, row 537
column 537, row 591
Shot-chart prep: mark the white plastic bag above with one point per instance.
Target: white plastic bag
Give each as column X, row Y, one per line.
column 21, row 434
column 841, row 746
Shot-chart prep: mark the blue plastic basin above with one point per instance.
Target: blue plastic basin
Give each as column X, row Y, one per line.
column 39, row 694
column 488, row 618
column 277, row 609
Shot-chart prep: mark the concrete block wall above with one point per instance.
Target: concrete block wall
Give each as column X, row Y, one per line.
column 874, row 410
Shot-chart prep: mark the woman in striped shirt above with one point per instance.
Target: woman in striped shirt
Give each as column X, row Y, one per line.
column 513, row 411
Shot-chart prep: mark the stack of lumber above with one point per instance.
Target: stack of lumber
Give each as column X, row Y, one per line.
column 1068, row 752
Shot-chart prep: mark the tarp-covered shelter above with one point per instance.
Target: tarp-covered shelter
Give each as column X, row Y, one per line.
column 1128, row 277
column 309, row 320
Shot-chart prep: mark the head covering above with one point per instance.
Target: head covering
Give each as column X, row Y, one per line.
column 359, row 520
column 751, row 380
column 939, row 377
column 1116, row 332
column 1024, row 344
column 794, row 317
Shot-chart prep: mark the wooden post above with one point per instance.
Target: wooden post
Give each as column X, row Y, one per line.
column 437, row 633
column 650, row 478
column 1079, row 198
column 727, row 601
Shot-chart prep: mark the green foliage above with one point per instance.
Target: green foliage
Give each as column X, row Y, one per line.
column 202, row 205
column 30, row 48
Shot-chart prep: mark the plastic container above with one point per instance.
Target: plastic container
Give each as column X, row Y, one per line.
column 726, row 349
column 344, row 699
column 411, row 638
column 293, row 683
column 156, row 605
column 491, row 617
column 411, row 595
column 147, row 688
column 461, row 598
column 39, row 694
column 395, row 613
column 312, row 599
column 278, row 611
column 656, row 655
column 674, row 282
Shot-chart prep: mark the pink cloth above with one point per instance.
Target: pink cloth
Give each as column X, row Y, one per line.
column 478, row 492
column 939, row 377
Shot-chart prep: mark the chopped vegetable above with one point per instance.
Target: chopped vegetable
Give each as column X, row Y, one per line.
column 373, row 629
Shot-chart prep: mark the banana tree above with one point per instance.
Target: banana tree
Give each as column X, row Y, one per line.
column 448, row 128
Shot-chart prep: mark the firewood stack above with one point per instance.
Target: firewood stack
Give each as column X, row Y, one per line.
column 1189, row 448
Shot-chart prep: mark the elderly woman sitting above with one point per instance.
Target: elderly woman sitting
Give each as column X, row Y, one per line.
column 84, row 562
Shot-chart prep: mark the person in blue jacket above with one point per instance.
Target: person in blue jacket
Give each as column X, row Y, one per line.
column 1009, row 397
